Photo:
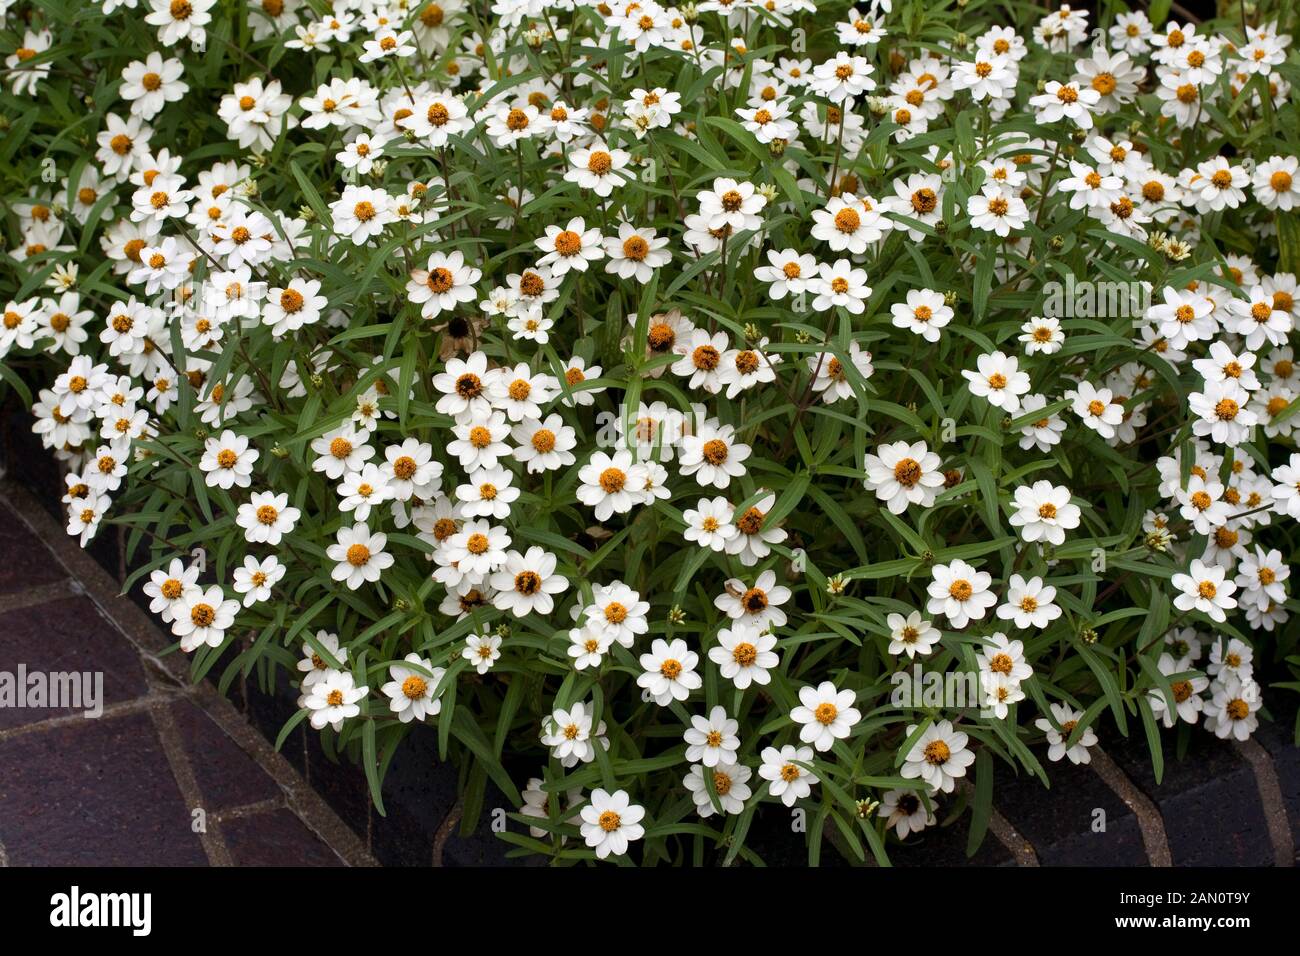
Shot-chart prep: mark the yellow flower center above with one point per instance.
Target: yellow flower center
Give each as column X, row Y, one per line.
column 636, row 248
column 937, row 753
column 1104, row 83
column 613, row 480
column 714, row 451
column 568, row 243
column 1226, row 409
column 907, row 472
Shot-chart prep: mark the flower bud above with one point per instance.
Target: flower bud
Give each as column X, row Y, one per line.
column 1158, row 540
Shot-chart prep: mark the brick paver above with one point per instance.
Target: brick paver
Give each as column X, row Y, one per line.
column 170, row 773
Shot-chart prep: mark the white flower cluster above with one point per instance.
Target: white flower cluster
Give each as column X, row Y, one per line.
column 556, row 390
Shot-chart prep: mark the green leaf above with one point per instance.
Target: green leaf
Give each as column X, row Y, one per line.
column 982, row 804
column 371, row 762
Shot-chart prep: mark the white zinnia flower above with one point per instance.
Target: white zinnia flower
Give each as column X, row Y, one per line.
column 359, row 555
column 333, row 700
column 826, row 713
column 610, row 821
column 960, row 593
column 939, row 756
column 1067, row 718
column 902, row 474
column 712, row 740
column 411, row 690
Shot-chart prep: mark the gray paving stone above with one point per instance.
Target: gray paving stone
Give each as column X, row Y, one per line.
column 93, row 793
column 67, row 635
column 24, row 561
column 275, row 838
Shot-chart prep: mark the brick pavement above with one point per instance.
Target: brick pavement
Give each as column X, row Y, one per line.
column 171, row 773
